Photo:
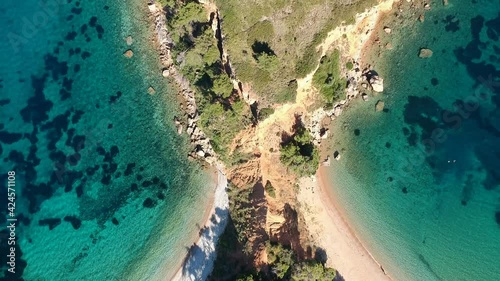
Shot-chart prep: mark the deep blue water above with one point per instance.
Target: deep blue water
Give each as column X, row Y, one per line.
column 103, row 187
column 421, row 179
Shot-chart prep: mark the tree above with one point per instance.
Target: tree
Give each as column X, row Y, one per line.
column 222, row 85
column 312, row 271
column 300, row 154
column 280, row 259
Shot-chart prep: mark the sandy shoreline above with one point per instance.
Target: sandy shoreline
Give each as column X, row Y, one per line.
column 199, row 261
column 330, row 230
column 326, row 223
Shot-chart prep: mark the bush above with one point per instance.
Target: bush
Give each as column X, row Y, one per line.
column 268, row 63
column 280, row 259
column 327, row 78
column 349, row 65
column 223, row 86
column 300, row 154
column 221, row 124
column 264, row 113
column 241, row 211
column 312, row 270
column 269, row 188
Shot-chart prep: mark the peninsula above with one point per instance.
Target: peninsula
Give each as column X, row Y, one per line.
column 259, row 89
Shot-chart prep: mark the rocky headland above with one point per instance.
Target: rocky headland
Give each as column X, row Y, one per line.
column 283, row 217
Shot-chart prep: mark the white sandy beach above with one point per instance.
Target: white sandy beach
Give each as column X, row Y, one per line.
column 200, row 260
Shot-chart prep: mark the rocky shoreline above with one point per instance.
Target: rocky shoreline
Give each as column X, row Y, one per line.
column 362, row 81
column 202, row 148
column 200, row 258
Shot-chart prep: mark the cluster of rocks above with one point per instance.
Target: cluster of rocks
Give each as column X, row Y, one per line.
column 165, row 43
column 360, row 82
column 202, row 147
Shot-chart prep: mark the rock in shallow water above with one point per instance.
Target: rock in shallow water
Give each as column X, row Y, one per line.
column 336, row 155
column 128, row 54
column 425, row 53
column 129, row 40
column 379, row 106
column 377, row 83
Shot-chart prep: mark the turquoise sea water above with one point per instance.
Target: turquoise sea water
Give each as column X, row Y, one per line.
column 104, row 188
column 420, row 181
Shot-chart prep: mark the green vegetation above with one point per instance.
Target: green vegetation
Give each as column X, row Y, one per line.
column 280, row 259
column 288, row 32
column 241, row 212
column 300, row 154
column 285, row 266
column 222, row 113
column 312, row 270
column 269, row 188
column 264, row 113
column 232, row 262
column 327, row 78
column 271, row 43
column 234, row 249
column 349, row 65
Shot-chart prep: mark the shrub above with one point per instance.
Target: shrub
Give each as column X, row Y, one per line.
column 267, row 62
column 312, row 270
column 280, row 259
column 264, row 113
column 241, row 211
column 269, row 188
column 261, row 31
column 300, row 154
column 327, row 78
column 222, row 85
column 349, row 65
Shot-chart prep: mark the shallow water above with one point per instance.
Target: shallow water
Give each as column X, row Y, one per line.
column 104, row 189
column 420, row 180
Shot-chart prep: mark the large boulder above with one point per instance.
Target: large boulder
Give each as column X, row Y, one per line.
column 336, row 155
column 128, row 54
column 337, row 111
column 377, row 83
column 129, row 40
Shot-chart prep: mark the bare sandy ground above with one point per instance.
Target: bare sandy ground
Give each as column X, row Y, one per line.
column 200, row 260
column 329, row 230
